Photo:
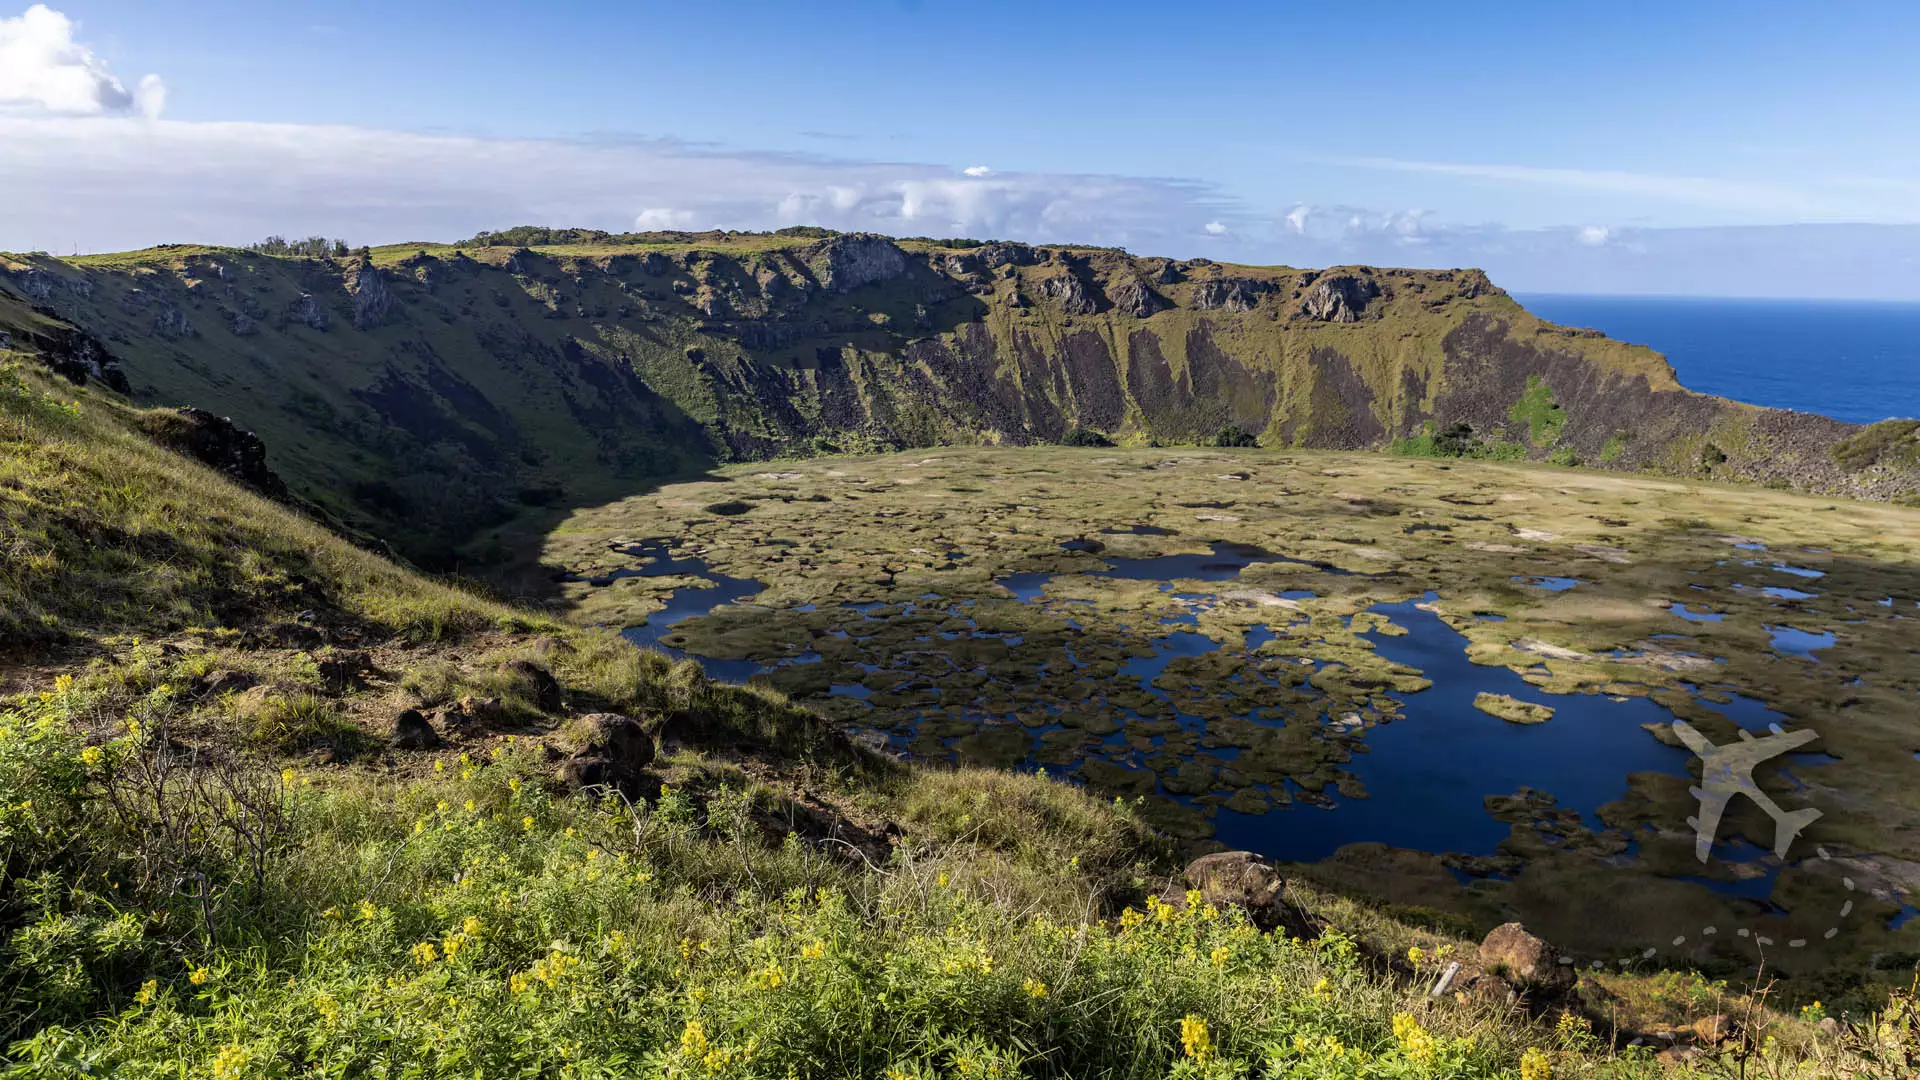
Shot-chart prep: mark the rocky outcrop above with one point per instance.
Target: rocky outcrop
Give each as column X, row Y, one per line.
column 845, row 263
column 1229, row 294
column 169, row 321
column 1068, row 293
column 73, row 354
column 541, row 686
column 372, row 300
column 1338, row 298
column 994, row 256
column 217, row 442
column 1534, row 969
column 1134, row 297
column 308, row 312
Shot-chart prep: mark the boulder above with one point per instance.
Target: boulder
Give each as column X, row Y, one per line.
column 1532, row 966
column 616, row 751
column 412, row 732
column 1250, row 882
column 547, row 696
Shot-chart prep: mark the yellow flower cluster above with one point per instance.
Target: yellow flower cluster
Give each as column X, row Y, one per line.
column 1415, row 1041
column 768, row 978
column 198, row 976
column 146, row 992
column 1035, row 988
column 231, row 1063
column 425, row 954
column 1196, row 1039
column 1536, row 1065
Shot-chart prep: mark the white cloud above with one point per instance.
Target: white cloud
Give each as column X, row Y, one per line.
column 110, row 183
column 42, row 68
column 1297, row 218
column 1214, row 228
column 661, row 217
column 1594, row 235
column 977, row 170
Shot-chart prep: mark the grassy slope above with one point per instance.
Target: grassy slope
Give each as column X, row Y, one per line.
column 453, row 913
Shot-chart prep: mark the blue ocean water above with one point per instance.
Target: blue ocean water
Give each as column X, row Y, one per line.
column 1852, row 360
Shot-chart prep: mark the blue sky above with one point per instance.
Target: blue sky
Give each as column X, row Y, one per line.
column 1702, row 147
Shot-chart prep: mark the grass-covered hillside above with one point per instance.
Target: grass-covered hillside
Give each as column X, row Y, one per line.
column 271, row 806
column 457, row 400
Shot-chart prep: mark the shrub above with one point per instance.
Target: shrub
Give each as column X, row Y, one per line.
column 1080, row 436
column 730, row 508
column 1234, row 435
column 1895, row 441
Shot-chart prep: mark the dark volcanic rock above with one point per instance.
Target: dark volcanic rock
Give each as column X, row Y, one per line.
column 412, row 732
column 217, row 442
column 1526, row 962
column 615, row 754
column 1339, row 298
column 307, row 312
column 545, row 688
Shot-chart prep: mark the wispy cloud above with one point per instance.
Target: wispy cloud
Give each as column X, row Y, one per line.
column 1714, row 192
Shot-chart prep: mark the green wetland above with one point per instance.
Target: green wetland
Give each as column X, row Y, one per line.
column 1446, row 686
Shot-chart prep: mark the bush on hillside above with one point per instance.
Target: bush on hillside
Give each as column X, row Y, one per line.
column 1080, row 436
column 1234, row 435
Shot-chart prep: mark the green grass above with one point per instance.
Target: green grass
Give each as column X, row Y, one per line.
column 1537, row 410
column 108, row 533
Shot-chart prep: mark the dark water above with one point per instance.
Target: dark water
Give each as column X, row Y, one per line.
column 1855, row 361
column 1426, row 775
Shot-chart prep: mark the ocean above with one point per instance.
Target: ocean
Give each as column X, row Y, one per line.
column 1852, row 360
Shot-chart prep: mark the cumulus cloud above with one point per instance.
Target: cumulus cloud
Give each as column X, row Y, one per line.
column 661, row 217
column 1594, row 235
column 1214, row 228
column 977, row 170
column 43, row 69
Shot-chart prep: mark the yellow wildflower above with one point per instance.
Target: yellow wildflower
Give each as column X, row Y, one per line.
column 425, row 954
column 941, row 880
column 145, row 994
column 1323, row 988
column 1131, row 918
column 526, row 823
column 693, row 1039
column 198, row 976
column 469, row 806
column 439, row 766
column 286, row 777
column 513, row 784
column 1195, row 1039
column 92, row 756
column 1220, row 956
column 231, row 1063
column 1415, row 1041
column 1536, row 1065
column 769, row 977
column 1415, row 955
column 470, row 926
column 1035, row 988
column 813, row 950
column 367, row 911
column 328, row 1008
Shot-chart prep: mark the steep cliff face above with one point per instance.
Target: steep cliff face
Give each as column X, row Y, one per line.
column 431, row 394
